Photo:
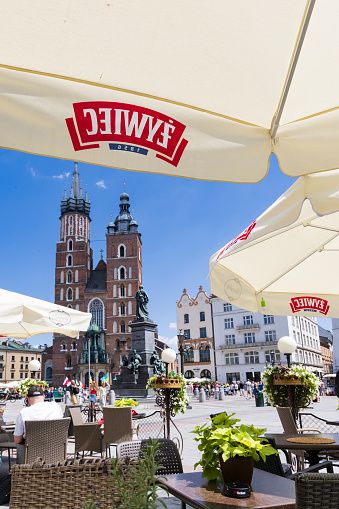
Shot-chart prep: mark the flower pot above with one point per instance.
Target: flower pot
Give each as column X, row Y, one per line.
column 238, row 469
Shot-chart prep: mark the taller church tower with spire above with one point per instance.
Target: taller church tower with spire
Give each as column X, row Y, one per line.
column 74, row 264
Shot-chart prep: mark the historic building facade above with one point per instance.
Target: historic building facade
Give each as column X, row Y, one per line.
column 15, row 357
column 194, row 319
column 107, row 291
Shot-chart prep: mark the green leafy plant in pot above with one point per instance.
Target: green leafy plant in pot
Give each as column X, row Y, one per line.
column 229, row 450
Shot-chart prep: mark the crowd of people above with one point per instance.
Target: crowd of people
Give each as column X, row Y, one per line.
column 245, row 389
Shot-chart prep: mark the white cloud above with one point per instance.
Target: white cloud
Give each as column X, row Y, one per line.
column 171, row 342
column 172, row 325
column 61, row 176
column 101, row 184
column 32, row 172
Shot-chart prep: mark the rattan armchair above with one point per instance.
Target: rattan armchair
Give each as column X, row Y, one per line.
column 150, row 426
column 314, row 491
column 6, row 442
column 168, row 455
column 88, row 435
column 308, row 419
column 117, row 425
column 46, row 440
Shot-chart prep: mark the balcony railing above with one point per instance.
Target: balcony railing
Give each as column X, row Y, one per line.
column 256, row 344
column 248, row 326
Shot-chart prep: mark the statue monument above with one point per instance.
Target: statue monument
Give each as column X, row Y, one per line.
column 143, row 361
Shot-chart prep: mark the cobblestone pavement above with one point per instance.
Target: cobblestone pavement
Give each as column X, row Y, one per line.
column 245, row 410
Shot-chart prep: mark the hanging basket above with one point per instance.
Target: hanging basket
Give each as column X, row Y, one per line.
column 168, row 383
column 287, row 380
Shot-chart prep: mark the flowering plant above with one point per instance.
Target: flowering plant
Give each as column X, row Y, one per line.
column 180, row 398
column 27, row 383
column 277, row 394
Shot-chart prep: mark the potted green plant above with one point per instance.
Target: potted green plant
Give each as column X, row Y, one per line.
column 125, row 402
column 29, row 382
column 178, row 389
column 230, row 450
column 277, row 378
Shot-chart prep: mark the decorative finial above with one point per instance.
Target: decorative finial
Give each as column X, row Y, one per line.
column 124, row 186
column 101, row 251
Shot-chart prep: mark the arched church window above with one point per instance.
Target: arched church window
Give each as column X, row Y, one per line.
column 70, row 245
column 122, row 327
column 69, row 294
column 122, row 251
column 69, row 276
column 71, row 220
column 122, row 291
column 81, row 221
column 122, row 273
column 69, row 362
column 96, row 307
column 69, row 261
column 122, row 309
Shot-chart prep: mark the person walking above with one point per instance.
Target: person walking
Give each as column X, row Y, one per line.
column 248, row 389
column 93, row 392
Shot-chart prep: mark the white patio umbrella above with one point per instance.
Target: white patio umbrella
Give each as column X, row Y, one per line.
column 13, row 385
column 287, row 261
column 205, row 92
column 22, row 317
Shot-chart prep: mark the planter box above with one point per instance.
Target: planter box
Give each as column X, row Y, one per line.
column 287, row 380
column 168, row 383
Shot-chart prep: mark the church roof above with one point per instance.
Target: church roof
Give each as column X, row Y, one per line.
column 97, row 281
column 76, row 202
column 124, row 222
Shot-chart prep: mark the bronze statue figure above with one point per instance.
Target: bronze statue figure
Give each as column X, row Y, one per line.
column 134, row 363
column 157, row 364
column 142, row 301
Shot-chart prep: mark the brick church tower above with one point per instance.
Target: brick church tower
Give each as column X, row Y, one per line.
column 124, row 275
column 72, row 271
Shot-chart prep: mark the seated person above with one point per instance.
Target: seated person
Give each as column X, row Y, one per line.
column 37, row 410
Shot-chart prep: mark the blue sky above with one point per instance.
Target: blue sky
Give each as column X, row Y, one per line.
column 183, row 222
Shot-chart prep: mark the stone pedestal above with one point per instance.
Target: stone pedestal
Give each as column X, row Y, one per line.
column 143, row 341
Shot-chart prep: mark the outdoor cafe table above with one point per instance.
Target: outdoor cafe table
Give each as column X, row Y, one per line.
column 312, row 450
column 268, row 492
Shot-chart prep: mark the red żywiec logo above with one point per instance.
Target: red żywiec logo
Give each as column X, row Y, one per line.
column 130, row 126
column 309, row 304
column 242, row 236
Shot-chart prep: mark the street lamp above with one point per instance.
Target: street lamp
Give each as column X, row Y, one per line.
column 168, row 356
column 287, row 346
column 34, row 366
column 181, row 338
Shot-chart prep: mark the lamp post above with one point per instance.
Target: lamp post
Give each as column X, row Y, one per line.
column 168, row 356
column 181, row 338
column 34, row 366
column 287, row 346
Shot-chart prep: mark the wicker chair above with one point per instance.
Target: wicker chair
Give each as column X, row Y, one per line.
column 290, row 428
column 46, row 440
column 273, row 465
column 308, row 419
column 64, row 486
column 314, row 491
column 6, row 442
column 117, row 425
column 88, row 435
column 168, row 455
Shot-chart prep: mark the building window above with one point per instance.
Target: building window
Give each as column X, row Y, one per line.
column 63, row 346
column 122, row 327
column 69, row 294
column 69, row 276
column 69, row 362
column 272, row 356
column 204, row 354
column 122, row 251
column 189, row 374
column 228, row 323
column 205, row 373
column 187, row 333
column 69, row 261
column 230, row 339
column 268, row 319
column 0, row 374
column 202, row 316
column 70, row 245
column 26, row 366
column 71, row 230
column 21, row 359
column 203, row 332
column 21, row 375
column 96, row 308
column 189, row 356
column 21, row 366
column 248, row 319
column 12, row 366
column 13, row 357
column 12, row 375
column 249, row 337
column 186, row 318
column 232, row 358
column 122, row 273
column 26, row 359
column 122, row 309
column 227, row 307
column 71, row 220
column 81, row 221
column 122, row 291
column 80, row 231
column 271, row 335
column 252, row 357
